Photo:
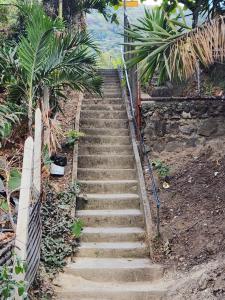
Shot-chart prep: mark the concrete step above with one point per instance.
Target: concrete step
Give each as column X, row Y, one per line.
column 110, row 140
column 105, row 174
column 103, row 114
column 116, row 249
column 108, row 84
column 103, row 101
column 104, row 123
column 109, row 186
column 106, row 161
column 111, row 218
column 106, row 95
column 105, row 149
column 105, row 131
column 89, row 290
column 113, row 234
column 115, row 269
column 105, row 106
column 112, row 201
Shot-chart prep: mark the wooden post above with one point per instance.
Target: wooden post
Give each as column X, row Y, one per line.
column 37, row 151
column 46, row 112
column 24, row 205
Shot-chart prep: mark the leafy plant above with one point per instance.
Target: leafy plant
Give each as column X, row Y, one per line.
column 9, row 116
column 168, row 47
column 58, row 240
column 73, row 136
column 162, row 169
column 47, row 56
column 9, row 286
column 77, row 227
column 152, row 39
column 12, row 182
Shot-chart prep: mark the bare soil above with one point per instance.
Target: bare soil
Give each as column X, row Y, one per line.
column 192, row 212
column 193, row 207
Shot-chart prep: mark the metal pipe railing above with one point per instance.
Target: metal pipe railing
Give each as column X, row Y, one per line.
column 142, row 148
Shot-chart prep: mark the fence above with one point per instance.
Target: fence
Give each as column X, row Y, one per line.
column 132, row 72
column 131, row 78
column 28, row 231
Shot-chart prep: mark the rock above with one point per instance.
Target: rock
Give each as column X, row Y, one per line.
column 186, row 115
column 188, row 130
column 208, row 127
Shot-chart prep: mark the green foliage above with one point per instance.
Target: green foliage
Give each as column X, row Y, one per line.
column 58, row 242
column 73, row 136
column 14, row 180
column 102, row 6
column 9, row 286
column 45, row 156
column 8, row 118
column 152, row 39
column 77, row 227
column 4, row 204
column 162, row 169
column 47, row 55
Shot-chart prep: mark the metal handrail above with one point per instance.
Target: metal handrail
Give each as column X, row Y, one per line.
column 142, row 147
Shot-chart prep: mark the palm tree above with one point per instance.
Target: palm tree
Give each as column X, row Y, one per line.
column 167, row 46
column 47, row 56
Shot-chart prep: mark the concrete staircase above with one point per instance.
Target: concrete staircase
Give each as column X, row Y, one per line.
column 113, row 259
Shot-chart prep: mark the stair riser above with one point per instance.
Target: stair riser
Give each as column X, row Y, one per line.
column 102, row 237
column 113, row 253
column 92, row 295
column 103, row 114
column 105, row 132
column 106, row 95
column 103, row 101
column 101, row 140
column 109, row 162
column 118, row 275
column 90, row 174
column 112, row 204
column 112, row 221
column 101, row 150
column 96, row 123
column 105, row 106
column 109, row 188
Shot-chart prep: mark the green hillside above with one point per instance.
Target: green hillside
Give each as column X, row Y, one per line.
column 107, row 35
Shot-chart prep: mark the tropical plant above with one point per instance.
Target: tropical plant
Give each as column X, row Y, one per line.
column 47, row 56
column 9, row 115
column 12, row 182
column 152, row 39
column 164, row 45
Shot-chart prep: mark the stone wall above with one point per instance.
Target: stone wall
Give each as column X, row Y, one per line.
column 171, row 125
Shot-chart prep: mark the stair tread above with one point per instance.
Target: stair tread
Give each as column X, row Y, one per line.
column 108, row 181
column 112, row 263
column 109, row 212
column 112, row 245
column 112, row 196
column 108, row 230
column 138, row 286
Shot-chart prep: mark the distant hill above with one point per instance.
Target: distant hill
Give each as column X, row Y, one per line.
column 108, row 35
